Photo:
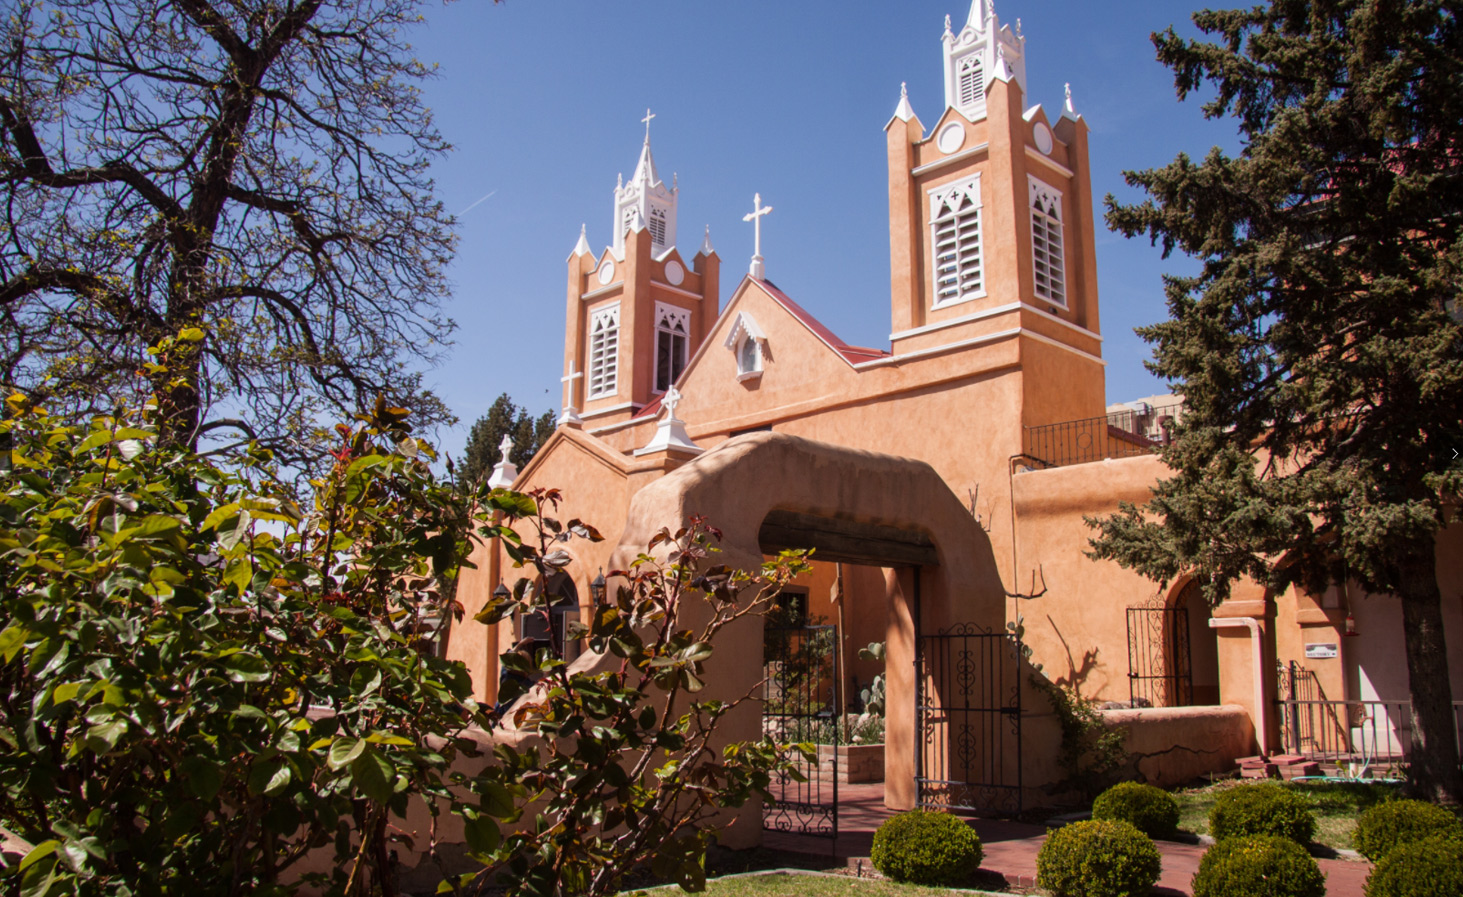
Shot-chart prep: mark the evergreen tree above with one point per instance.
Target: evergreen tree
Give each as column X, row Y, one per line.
column 484, row 440
column 1320, row 347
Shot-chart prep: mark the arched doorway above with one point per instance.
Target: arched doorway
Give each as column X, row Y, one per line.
column 1173, row 655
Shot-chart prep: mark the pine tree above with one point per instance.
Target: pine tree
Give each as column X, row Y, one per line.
column 1320, row 347
column 484, row 440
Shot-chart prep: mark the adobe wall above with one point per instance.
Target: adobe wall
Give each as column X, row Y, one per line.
column 1172, row 746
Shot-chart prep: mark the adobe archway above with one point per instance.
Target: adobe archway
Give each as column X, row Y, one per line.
column 880, row 509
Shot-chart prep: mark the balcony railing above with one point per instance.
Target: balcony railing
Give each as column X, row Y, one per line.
column 1351, row 736
column 1120, row 434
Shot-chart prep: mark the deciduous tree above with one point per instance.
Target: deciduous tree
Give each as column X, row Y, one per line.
column 243, row 184
column 1320, row 346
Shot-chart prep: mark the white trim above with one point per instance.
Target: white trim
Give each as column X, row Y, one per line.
column 1048, row 161
column 677, row 290
column 601, row 412
column 991, row 313
column 602, row 291
column 977, row 341
column 632, row 422
column 1043, row 338
column 955, row 322
column 1065, row 323
column 1039, row 191
column 961, row 261
column 750, row 375
column 949, row 160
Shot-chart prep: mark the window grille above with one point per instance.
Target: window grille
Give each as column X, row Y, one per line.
column 672, row 330
column 958, row 249
column 604, row 351
column 970, row 84
column 1046, row 243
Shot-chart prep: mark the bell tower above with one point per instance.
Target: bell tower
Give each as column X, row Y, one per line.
column 637, row 311
column 991, row 224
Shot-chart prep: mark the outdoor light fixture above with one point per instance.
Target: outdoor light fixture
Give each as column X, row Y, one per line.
column 502, row 593
column 597, row 587
column 1351, row 626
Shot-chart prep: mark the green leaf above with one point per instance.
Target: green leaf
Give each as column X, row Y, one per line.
column 204, row 777
column 219, row 515
column 191, row 335
column 152, row 525
column 66, row 692
column 12, row 640
column 373, row 775
column 498, row 801
column 244, row 667
column 101, row 738
column 344, row 751
column 269, row 776
column 480, row 832
column 38, row 853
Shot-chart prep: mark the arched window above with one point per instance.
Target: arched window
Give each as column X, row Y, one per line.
column 604, row 351
column 955, row 229
column 672, row 336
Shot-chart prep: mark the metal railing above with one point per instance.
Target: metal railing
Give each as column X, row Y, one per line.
column 1352, row 736
column 1119, row 434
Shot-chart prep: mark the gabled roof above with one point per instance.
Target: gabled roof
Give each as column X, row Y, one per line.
column 853, row 355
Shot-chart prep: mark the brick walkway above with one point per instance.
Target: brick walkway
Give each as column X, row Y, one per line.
column 1010, row 847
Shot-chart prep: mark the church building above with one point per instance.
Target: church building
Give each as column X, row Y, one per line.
column 940, row 481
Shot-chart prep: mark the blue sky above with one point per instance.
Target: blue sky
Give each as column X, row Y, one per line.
column 542, row 100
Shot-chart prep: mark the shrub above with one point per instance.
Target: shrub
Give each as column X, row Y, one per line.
column 1431, row 867
column 1151, row 810
column 1263, row 808
column 1382, row 828
column 1258, row 866
column 1098, row 858
column 926, row 848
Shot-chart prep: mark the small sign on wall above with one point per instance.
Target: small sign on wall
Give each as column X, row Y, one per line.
column 1314, row 652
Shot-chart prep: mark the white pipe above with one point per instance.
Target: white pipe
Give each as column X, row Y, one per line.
column 1262, row 731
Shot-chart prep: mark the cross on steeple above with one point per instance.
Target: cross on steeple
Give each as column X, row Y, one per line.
column 648, row 116
column 758, row 270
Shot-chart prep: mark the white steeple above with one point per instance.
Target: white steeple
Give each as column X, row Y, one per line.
column 646, row 198
column 582, row 247
column 904, row 111
column 983, row 51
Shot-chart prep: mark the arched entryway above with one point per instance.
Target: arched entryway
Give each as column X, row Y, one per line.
column 770, row 490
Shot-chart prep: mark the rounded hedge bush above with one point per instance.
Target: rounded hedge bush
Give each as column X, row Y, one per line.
column 1151, row 810
column 1098, row 858
column 1263, row 808
column 1387, row 825
column 926, row 848
column 1258, row 866
column 1431, row 867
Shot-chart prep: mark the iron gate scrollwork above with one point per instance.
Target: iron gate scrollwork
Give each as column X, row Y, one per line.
column 968, row 720
column 800, row 705
column 1160, row 665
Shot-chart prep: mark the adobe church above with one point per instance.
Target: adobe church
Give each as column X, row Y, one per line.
column 940, row 481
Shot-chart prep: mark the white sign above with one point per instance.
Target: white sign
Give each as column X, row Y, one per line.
column 1320, row 651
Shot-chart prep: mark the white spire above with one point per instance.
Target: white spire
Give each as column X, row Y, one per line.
column 646, row 199
column 980, row 12
column 504, row 472
column 984, row 51
column 582, row 247
column 904, row 111
column 1067, row 110
column 706, row 248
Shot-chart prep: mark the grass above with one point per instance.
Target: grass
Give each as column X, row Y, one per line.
column 1336, row 805
column 775, row 885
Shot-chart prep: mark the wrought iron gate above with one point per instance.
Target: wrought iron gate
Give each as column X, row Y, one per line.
column 1160, row 666
column 800, row 704
column 968, row 720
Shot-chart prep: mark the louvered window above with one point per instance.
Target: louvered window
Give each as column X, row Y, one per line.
column 672, row 330
column 970, row 85
column 1046, row 243
column 958, row 247
column 604, row 351
column 657, row 226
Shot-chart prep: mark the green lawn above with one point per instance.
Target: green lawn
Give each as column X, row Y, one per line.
column 1335, row 805
column 776, row 885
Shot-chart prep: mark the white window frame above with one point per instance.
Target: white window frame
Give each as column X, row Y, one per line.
column 957, row 243
column 667, row 318
column 1048, row 243
column 744, row 330
column 970, row 84
column 603, row 352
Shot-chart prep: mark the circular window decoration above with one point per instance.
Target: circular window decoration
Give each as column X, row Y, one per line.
column 674, row 273
column 607, row 272
column 951, row 137
column 1043, row 137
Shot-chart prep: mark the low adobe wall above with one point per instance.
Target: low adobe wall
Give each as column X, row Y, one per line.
column 1169, row 746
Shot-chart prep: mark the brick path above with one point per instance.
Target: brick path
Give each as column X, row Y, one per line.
column 1010, row 847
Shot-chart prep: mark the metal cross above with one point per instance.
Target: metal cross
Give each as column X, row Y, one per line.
column 755, row 216
column 648, row 116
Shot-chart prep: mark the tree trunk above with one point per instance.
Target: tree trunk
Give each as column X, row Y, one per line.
column 1433, row 773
